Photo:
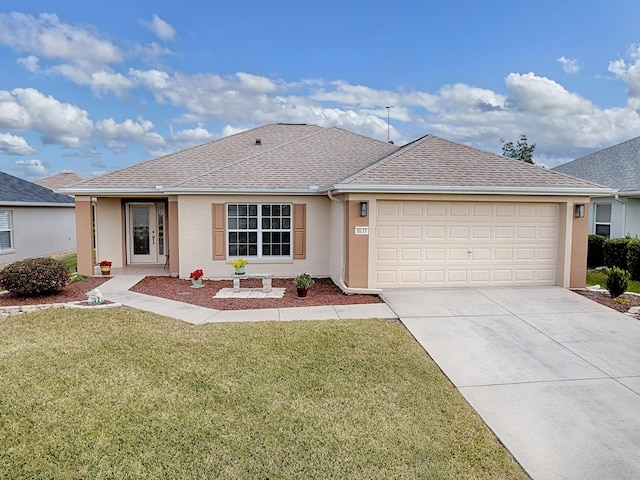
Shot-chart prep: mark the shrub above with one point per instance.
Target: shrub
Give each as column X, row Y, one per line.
column 617, row 281
column 595, row 255
column 34, row 276
column 615, row 252
column 633, row 258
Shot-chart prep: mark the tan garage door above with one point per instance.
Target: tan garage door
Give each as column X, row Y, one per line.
column 446, row 244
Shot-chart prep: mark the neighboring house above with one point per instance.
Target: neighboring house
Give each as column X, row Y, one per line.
column 34, row 221
column 368, row 214
column 60, row 180
column 617, row 167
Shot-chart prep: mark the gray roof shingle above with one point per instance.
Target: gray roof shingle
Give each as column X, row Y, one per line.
column 436, row 162
column 616, row 167
column 295, row 157
column 16, row 190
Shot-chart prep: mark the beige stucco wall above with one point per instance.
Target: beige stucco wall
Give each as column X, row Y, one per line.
column 109, row 231
column 196, row 244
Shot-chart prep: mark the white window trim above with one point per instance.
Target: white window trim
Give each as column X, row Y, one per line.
column 260, row 258
column 11, row 248
column 595, row 218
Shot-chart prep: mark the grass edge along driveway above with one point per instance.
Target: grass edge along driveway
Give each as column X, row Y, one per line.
column 121, row 393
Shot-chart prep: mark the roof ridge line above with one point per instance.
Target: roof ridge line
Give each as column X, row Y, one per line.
column 381, row 161
column 244, row 159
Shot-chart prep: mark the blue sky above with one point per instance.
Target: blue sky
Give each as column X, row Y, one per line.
column 96, row 86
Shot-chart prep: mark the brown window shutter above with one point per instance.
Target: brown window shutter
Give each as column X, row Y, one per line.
column 218, row 217
column 299, row 231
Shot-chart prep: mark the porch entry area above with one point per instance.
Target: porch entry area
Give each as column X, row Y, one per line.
column 146, row 240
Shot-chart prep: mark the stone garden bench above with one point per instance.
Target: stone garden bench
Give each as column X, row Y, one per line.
column 266, row 280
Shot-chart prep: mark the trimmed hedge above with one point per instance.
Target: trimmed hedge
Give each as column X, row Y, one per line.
column 595, row 252
column 34, row 276
column 615, row 252
column 633, row 258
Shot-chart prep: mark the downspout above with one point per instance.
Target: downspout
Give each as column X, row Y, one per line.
column 616, row 197
column 341, row 284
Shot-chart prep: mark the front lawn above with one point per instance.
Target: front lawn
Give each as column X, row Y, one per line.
column 598, row 277
column 121, row 393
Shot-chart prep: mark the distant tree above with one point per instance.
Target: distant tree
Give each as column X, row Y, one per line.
column 521, row 151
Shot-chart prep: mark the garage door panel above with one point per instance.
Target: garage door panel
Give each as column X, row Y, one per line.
column 466, row 243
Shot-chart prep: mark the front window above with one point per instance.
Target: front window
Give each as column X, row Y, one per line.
column 5, row 231
column 603, row 219
column 259, row 230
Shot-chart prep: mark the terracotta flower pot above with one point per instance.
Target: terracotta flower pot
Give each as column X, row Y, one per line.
column 105, row 270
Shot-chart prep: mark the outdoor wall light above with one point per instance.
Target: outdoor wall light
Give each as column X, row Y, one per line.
column 363, row 209
column 579, row 210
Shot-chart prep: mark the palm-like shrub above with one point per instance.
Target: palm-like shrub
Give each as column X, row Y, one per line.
column 617, row 281
column 34, row 276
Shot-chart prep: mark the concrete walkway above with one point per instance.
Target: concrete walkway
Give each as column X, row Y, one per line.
column 556, row 376
column 117, row 290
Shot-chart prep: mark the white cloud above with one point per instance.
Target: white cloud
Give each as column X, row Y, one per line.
column 569, row 65
column 629, row 73
column 62, row 123
column 45, row 36
column 160, row 28
column 116, row 134
column 545, row 97
column 191, row 137
column 14, row 145
column 30, row 168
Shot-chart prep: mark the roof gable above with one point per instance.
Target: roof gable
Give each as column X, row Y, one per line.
column 60, row 180
column 16, row 190
column 432, row 161
column 616, row 167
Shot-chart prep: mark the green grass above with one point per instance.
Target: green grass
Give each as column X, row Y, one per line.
column 120, row 393
column 71, row 261
column 598, row 277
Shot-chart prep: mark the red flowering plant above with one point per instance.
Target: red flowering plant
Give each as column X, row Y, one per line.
column 105, row 263
column 196, row 274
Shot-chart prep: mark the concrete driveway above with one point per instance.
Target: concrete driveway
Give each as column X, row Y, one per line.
column 556, row 376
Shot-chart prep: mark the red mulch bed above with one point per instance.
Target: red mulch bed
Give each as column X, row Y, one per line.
column 74, row 292
column 324, row 292
column 622, row 303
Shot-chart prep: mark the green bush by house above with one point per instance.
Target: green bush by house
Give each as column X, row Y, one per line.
column 34, row 276
column 595, row 252
column 615, row 252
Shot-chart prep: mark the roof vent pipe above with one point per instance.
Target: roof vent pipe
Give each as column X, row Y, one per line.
column 258, row 141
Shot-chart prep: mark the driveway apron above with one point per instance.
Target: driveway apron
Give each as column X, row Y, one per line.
column 556, row 376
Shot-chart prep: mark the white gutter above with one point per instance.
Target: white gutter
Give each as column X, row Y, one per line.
column 341, row 284
column 478, row 190
column 35, row 204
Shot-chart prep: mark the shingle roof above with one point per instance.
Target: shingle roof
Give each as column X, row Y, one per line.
column 178, row 167
column 616, row 167
column 60, row 180
column 434, row 161
column 16, row 190
column 292, row 158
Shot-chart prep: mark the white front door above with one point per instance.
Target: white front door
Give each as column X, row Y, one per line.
column 146, row 233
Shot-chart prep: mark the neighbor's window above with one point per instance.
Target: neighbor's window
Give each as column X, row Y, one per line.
column 603, row 219
column 259, row 230
column 5, row 231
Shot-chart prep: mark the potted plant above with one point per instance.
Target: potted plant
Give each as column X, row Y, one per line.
column 239, row 264
column 196, row 278
column 303, row 283
column 105, row 267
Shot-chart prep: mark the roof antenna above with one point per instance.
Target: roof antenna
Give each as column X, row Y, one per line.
column 388, row 108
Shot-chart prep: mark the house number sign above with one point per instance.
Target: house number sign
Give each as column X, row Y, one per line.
column 362, row 231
